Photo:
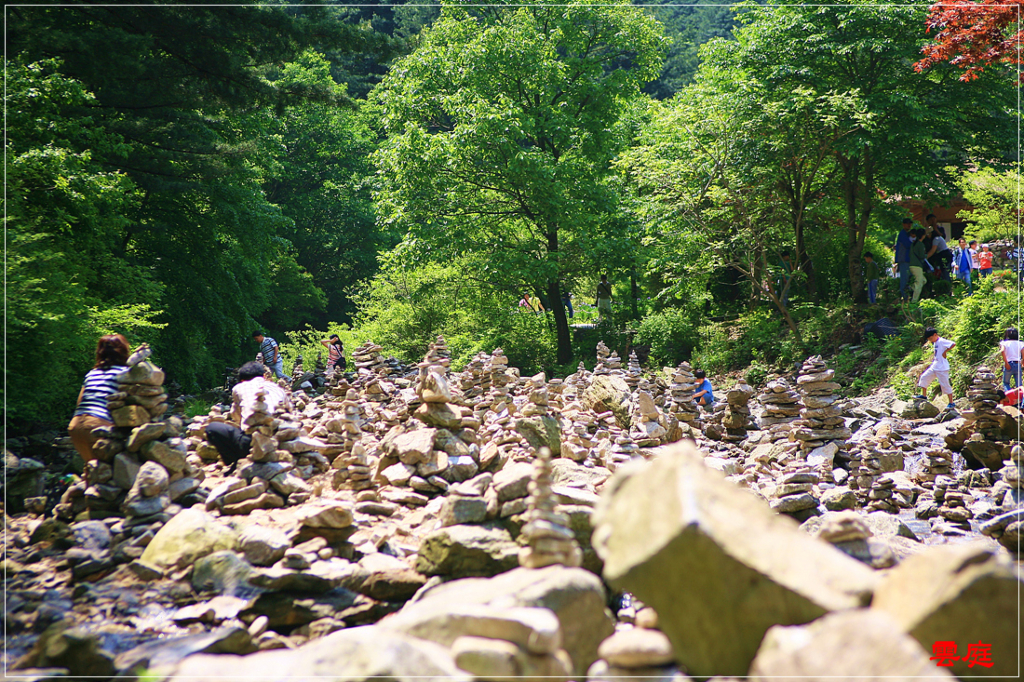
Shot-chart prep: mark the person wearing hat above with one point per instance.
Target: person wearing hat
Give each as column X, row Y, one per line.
column 335, row 353
column 939, row 369
column 902, row 259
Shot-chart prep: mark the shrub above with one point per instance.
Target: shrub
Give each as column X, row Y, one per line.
column 671, row 334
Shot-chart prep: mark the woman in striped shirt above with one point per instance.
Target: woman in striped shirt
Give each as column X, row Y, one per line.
column 111, row 353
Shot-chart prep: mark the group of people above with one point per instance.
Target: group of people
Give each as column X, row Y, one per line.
column 603, row 300
column 922, row 250
column 112, row 352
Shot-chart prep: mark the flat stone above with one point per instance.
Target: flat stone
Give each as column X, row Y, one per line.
column 143, row 434
column 461, row 551
column 414, row 447
column 534, row 629
column 487, row 658
column 636, row 648
column 512, row 481
column 191, row 534
column 263, row 545
column 457, row 510
column 326, row 514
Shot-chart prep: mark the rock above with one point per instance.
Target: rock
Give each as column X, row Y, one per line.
column 534, row 629
column 145, row 571
column 461, row 551
column 262, row 545
column 565, row 472
column 915, row 409
column 512, row 482
column 959, row 593
column 169, row 458
column 91, row 534
column 384, row 578
column 457, row 510
column 188, row 536
column 844, row 645
column 413, row 447
column 152, row 480
column 75, row 649
column 609, row 392
column 160, row 656
column 576, row 596
column 840, row 498
column 710, row 551
column 353, row 655
column 221, row 572
column 399, row 473
column 541, row 431
column 487, row 658
column 143, row 434
column 885, row 525
column 326, row 514
column 636, row 648
column 130, row 415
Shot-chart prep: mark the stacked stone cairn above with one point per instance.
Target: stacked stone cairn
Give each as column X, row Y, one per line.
column 640, row 652
column 985, row 443
column 737, row 413
column 352, row 465
column 781, row 409
column 604, row 359
column 647, row 426
column 794, row 492
column 1008, row 527
column 548, row 537
column 367, row 358
column 880, row 495
column 633, row 372
column 681, row 391
column 820, row 421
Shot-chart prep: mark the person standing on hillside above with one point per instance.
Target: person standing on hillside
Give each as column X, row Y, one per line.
column 1010, row 348
column 871, row 274
column 985, row 261
column 939, row 369
column 335, row 353
column 902, row 259
column 963, row 261
column 604, row 297
column 271, row 355
column 939, row 254
column 918, row 255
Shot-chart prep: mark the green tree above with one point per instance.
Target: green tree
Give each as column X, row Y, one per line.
column 501, row 127
column 995, row 196
column 912, row 125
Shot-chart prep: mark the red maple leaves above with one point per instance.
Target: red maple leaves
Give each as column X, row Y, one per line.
column 973, row 35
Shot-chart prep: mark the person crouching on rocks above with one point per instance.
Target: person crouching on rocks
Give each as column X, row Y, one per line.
column 939, row 369
column 231, row 442
column 703, row 394
column 111, row 355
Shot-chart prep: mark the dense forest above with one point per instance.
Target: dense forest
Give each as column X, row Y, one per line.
column 186, row 175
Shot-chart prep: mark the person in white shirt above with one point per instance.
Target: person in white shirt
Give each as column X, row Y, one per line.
column 1010, row 347
column 233, row 441
column 939, row 369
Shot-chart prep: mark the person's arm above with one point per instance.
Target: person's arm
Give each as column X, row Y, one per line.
column 325, row 343
column 276, row 353
column 81, row 391
column 950, row 347
column 236, row 406
column 1006, row 361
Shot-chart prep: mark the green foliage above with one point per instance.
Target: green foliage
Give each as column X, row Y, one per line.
column 197, row 407
column 995, row 196
column 672, row 335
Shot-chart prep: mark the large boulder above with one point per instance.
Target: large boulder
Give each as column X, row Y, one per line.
column 541, row 431
column 715, row 563
column 188, row 536
column 915, row 408
column 847, row 645
column 461, row 551
column 576, row 596
column 609, row 392
column 362, row 653
column 957, row 593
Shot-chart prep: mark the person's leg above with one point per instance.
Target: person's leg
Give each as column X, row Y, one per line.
column 872, row 290
column 230, row 442
column 947, row 388
column 918, row 282
column 904, row 269
column 80, row 430
column 1007, row 373
column 925, row 380
column 1015, row 372
column 967, row 281
column 279, row 370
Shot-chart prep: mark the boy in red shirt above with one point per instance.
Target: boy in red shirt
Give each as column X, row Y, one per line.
column 985, row 261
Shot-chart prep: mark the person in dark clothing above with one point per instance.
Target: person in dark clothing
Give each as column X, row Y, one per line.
column 902, row 259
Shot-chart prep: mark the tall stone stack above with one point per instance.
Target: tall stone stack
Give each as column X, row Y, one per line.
column 442, row 353
column 633, row 371
column 681, row 391
column 603, row 356
column 737, row 412
column 986, row 442
column 352, row 466
column 537, row 397
column 794, row 492
column 781, row 408
column 647, row 425
column 820, row 421
column 474, row 380
column 549, row 539
column 143, row 453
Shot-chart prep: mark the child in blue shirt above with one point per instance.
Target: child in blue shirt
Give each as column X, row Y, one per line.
column 703, row 394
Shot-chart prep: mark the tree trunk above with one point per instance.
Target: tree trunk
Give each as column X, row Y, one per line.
column 804, row 261
column 564, row 354
column 634, row 292
column 561, row 323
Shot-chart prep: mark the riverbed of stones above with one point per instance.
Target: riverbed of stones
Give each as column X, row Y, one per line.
column 482, row 524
